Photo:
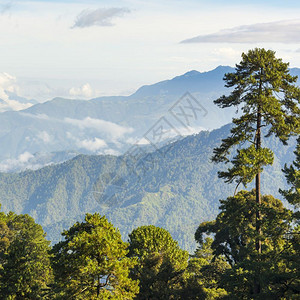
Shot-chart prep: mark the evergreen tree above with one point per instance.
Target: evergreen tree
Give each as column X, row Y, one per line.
column 91, row 262
column 235, row 238
column 202, row 276
column 25, row 270
column 292, row 195
column 292, row 174
column 161, row 262
column 268, row 97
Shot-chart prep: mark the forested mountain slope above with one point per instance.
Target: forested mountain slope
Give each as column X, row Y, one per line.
column 175, row 187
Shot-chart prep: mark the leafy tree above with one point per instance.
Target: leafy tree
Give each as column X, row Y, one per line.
column 268, row 97
column 25, row 270
column 235, row 239
column 161, row 262
column 201, row 279
column 91, row 262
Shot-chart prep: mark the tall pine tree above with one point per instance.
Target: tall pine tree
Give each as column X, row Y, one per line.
column 267, row 96
column 292, row 195
column 292, row 174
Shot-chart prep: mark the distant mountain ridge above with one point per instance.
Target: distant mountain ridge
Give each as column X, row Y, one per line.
column 111, row 125
column 192, row 81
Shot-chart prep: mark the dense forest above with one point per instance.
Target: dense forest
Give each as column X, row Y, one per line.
column 179, row 190
column 249, row 251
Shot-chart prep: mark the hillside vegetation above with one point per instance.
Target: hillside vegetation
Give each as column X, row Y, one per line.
column 177, row 188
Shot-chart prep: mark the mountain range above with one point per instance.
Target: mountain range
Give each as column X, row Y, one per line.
column 175, row 187
column 150, row 167
column 108, row 125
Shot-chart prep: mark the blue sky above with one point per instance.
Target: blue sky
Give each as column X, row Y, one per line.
column 84, row 49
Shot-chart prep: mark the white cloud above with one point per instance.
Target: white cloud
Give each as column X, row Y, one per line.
column 143, row 141
column 13, row 105
column 10, row 164
column 86, row 91
column 287, row 31
column 112, row 129
column 99, row 17
column 37, row 116
column 92, row 144
column 8, row 84
column 227, row 53
column 191, row 130
column 111, row 152
column 45, row 137
column 24, row 157
column 134, row 141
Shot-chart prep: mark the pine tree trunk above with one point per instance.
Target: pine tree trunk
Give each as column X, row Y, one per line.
column 258, row 221
column 257, row 286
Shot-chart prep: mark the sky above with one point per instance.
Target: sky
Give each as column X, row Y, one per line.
column 86, row 49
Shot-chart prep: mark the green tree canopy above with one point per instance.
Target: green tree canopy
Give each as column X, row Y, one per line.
column 25, row 270
column 235, row 238
column 161, row 262
column 202, row 276
column 91, row 262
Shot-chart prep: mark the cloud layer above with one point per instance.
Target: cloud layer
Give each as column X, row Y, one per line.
column 8, row 85
column 99, row 17
column 92, row 144
column 86, row 91
column 21, row 161
column 287, row 31
column 45, row 137
column 111, row 129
